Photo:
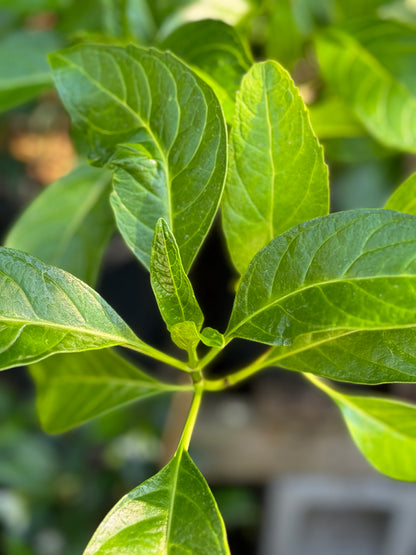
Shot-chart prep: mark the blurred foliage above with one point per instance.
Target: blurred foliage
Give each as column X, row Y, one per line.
column 55, row 490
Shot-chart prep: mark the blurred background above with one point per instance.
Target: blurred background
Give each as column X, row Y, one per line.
column 286, row 475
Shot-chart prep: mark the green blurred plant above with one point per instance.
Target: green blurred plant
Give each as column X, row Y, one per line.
column 177, row 124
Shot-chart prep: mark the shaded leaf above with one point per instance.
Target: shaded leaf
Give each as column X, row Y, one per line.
column 45, row 310
column 172, row 512
column 404, row 197
column 24, row 71
column 277, row 176
column 72, row 389
column 159, row 128
column 69, row 224
column 171, row 286
column 216, row 52
column 384, row 431
column 331, row 119
column 370, row 65
column 311, row 289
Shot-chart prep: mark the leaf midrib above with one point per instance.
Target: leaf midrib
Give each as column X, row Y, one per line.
column 88, row 331
column 283, row 298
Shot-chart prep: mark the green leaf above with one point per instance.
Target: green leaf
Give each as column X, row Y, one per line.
column 24, row 71
column 69, row 224
column 185, row 335
column 277, row 176
column 216, row 52
column 45, row 310
column 384, row 431
column 160, row 128
column 212, row 338
column 333, row 293
column 370, row 65
column 331, row 119
column 173, row 512
column 73, row 388
column 171, row 286
column 404, row 197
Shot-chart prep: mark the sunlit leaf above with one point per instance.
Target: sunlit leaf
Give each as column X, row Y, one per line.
column 277, row 176
column 45, row 310
column 160, row 129
column 172, row 512
column 404, row 197
column 336, row 295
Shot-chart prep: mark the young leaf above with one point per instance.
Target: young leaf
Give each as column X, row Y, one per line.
column 161, row 130
column 69, row 223
column 171, row 286
column 24, row 71
column 45, row 311
column 373, row 80
column 404, row 197
column 383, row 430
column 216, row 52
column 74, row 388
column 172, row 512
column 350, row 272
column 277, row 176
column 185, row 335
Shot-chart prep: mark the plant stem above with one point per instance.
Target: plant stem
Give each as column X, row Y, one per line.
column 192, row 415
column 236, row 377
column 209, row 357
column 159, row 355
column 320, row 384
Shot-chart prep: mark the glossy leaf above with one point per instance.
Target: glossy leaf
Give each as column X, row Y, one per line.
column 370, row 65
column 384, row 431
column 216, row 52
column 160, row 128
column 171, row 513
column 315, row 286
column 73, row 388
column 69, row 224
column 404, row 197
column 171, row 286
column 45, row 310
column 277, row 176
column 24, row 70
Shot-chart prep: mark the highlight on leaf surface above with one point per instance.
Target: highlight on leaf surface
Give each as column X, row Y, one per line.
column 172, row 512
column 332, row 292
column 46, row 310
column 159, row 128
column 277, row 177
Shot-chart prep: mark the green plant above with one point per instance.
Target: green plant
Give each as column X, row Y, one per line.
column 330, row 295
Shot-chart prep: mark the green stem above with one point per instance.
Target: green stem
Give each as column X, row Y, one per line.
column 151, row 352
column 236, row 377
column 209, row 357
column 192, row 415
column 320, row 384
